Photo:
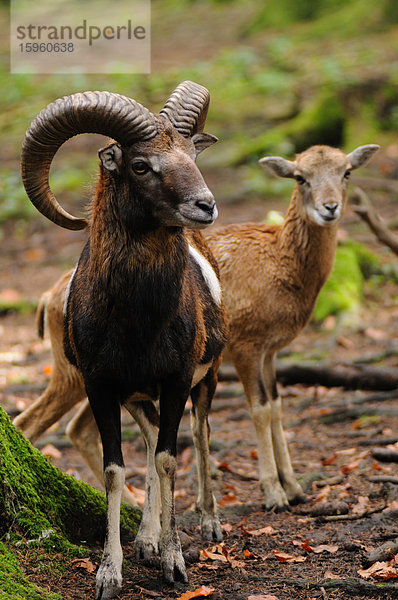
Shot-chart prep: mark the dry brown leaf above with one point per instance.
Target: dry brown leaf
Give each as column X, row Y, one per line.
column 83, row 563
column 229, row 500
column 51, row 451
column 147, row 593
column 380, row 570
column 330, row 575
column 329, row 461
column 322, row 496
column 138, row 493
column 284, row 557
column 268, row 530
column 200, row 592
column 262, row 597
column 331, row 548
column 304, row 545
column 247, row 553
column 362, row 506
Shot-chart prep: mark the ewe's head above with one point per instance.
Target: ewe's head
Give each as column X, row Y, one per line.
column 154, row 154
column 321, row 173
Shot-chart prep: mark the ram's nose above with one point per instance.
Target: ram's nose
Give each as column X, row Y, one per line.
column 208, row 205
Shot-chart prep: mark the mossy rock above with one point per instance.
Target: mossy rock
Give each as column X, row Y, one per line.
column 343, row 291
column 45, row 506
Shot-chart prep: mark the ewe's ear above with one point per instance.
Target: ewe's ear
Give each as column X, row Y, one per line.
column 202, row 141
column 111, row 158
column 278, row 166
column 361, row 155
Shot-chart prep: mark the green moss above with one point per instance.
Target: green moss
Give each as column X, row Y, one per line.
column 343, row 291
column 14, row 584
column 48, row 508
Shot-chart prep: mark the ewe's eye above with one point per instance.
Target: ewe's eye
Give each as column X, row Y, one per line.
column 347, row 174
column 140, row 167
column 300, row 179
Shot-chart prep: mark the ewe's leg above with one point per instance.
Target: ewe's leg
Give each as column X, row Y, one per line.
column 172, row 402
column 202, row 395
column 286, row 475
column 146, row 543
column 83, row 432
column 248, row 362
column 65, row 389
column 106, row 410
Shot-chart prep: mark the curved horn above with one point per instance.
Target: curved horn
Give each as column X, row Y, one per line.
column 187, row 108
column 115, row 116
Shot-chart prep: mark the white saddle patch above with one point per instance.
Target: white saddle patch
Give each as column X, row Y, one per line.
column 208, row 274
column 68, row 290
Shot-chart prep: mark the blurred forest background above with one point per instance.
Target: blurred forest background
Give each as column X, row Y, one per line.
column 283, row 76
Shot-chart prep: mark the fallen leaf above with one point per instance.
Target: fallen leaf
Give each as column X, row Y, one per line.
column 262, row 597
column 148, row 593
column 247, row 553
column 254, row 454
column 229, row 500
column 284, row 557
column 83, row 563
column 329, row 461
column 376, row 334
column 200, row 592
column 348, row 468
column 346, row 451
column 138, row 493
column 380, row 570
column 227, row 527
column 362, row 506
column 330, row 575
column 51, row 451
column 304, row 545
column 321, row 497
column 325, row 548
column 268, row 530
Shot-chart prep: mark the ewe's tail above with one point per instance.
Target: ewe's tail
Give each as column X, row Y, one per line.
column 41, row 315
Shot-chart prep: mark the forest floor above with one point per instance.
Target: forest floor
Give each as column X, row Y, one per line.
column 277, row 556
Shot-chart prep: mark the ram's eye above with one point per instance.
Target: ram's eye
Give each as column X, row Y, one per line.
column 347, row 174
column 300, row 179
column 140, row 168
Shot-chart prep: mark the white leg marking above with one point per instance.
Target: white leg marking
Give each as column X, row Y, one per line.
column 109, row 575
column 206, row 503
column 292, row 488
column 171, row 557
column 146, row 543
column 208, row 273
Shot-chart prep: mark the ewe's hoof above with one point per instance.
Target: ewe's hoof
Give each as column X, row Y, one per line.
column 146, row 548
column 173, row 565
column 146, row 543
column 210, row 528
column 275, row 497
column 108, row 582
column 294, row 492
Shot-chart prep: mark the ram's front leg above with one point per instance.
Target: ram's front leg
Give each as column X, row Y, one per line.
column 146, row 543
column 172, row 404
column 106, row 411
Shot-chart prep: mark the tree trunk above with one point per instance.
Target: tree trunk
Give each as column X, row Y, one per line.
column 40, row 506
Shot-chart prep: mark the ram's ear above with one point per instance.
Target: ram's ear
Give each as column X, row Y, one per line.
column 202, row 141
column 111, row 158
column 278, row 166
column 361, row 155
